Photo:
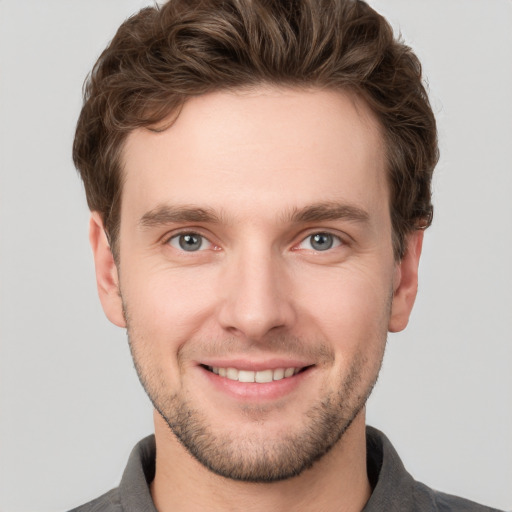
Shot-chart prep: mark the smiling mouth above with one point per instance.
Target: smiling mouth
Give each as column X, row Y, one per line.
column 260, row 376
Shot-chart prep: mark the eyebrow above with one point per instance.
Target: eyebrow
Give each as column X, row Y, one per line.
column 325, row 211
column 168, row 214
column 318, row 212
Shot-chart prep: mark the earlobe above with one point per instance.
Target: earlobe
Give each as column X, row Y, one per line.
column 107, row 278
column 406, row 283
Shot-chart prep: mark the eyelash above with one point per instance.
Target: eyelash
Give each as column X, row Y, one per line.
column 335, row 241
column 177, row 236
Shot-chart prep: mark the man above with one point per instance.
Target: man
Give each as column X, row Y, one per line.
column 259, row 180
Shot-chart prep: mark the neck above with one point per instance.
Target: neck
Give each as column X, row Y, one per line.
column 338, row 481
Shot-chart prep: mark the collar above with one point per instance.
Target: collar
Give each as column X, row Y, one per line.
column 393, row 486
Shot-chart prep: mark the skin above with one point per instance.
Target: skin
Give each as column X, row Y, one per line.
column 271, row 167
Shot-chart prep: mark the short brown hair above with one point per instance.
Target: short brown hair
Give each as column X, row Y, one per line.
column 162, row 56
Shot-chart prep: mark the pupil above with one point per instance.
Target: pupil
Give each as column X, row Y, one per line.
column 322, row 241
column 190, row 242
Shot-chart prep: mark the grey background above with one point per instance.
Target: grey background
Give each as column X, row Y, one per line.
column 71, row 406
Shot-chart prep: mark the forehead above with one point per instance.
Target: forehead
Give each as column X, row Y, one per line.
column 258, row 150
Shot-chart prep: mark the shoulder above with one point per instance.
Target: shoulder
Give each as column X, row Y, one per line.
column 394, row 489
column 133, row 492
column 436, row 501
column 108, row 502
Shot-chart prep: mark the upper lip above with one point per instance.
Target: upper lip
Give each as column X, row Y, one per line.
column 245, row 364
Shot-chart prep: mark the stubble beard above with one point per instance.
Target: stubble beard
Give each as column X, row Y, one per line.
column 250, row 458
column 262, row 460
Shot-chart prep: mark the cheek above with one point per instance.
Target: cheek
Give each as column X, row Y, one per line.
column 168, row 303
column 349, row 306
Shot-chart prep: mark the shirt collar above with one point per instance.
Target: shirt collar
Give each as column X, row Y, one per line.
column 393, row 486
column 139, row 473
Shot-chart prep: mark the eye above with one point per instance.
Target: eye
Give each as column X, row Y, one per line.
column 190, row 242
column 320, row 242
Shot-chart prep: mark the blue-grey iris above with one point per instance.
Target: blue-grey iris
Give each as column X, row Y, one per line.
column 190, row 242
column 322, row 241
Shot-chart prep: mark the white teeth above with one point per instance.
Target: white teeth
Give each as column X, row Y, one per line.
column 279, row 374
column 289, row 372
column 232, row 373
column 262, row 376
column 245, row 376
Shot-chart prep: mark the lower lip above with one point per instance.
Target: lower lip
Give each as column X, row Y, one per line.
column 253, row 391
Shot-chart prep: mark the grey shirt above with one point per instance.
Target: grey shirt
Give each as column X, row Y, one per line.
column 394, row 489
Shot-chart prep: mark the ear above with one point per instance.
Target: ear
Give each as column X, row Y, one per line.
column 406, row 283
column 107, row 278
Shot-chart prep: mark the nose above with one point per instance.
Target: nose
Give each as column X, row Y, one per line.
column 256, row 295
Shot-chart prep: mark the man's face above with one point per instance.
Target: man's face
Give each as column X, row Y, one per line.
column 255, row 244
